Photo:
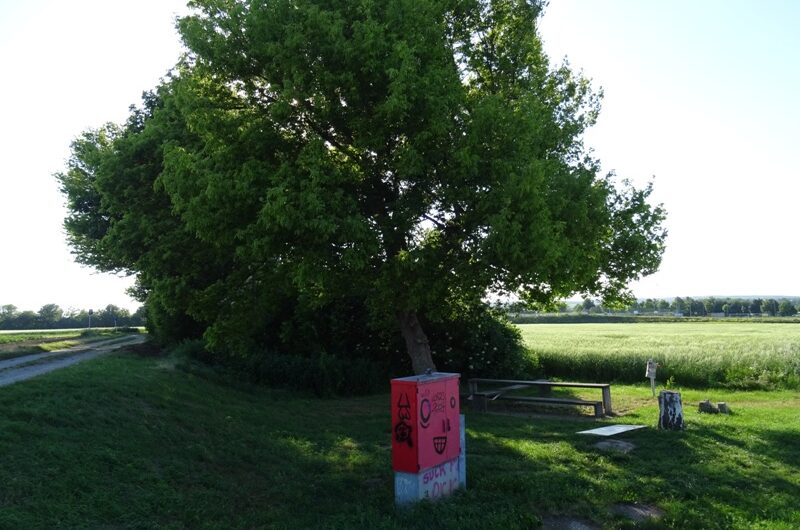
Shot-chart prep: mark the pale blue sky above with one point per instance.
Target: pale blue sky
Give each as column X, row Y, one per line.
column 702, row 94
column 66, row 66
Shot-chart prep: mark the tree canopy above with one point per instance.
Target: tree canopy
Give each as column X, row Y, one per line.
column 411, row 156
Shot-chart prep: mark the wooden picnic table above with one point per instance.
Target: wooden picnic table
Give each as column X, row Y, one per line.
column 545, row 387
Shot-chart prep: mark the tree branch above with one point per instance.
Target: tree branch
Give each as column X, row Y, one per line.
column 438, row 223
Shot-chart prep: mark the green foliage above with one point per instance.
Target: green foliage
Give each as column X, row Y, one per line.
column 481, row 343
column 700, row 354
column 409, row 155
column 168, row 323
column 729, row 307
column 786, row 309
column 338, row 350
column 324, row 375
column 51, row 316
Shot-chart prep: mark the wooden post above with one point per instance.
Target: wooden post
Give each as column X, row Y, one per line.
column 479, row 403
column 607, row 399
column 670, row 411
column 544, row 390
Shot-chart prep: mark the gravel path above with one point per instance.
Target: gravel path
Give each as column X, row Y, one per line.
column 28, row 366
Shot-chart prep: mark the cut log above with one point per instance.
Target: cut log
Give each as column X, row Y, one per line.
column 670, row 411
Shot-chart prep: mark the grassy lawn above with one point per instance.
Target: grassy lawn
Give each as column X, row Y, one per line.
column 744, row 355
column 133, row 442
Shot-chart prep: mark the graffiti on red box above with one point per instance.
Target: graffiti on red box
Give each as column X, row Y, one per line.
column 430, row 405
column 424, row 421
column 402, row 429
column 440, row 481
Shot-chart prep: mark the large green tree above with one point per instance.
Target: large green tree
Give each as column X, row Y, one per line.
column 786, row 309
column 414, row 155
column 50, row 314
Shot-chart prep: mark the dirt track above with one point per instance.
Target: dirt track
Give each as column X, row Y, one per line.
column 28, row 366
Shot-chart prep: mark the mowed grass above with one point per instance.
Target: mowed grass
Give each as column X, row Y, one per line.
column 133, row 442
column 739, row 355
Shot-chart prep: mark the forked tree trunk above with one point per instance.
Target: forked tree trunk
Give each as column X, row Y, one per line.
column 670, row 410
column 416, row 342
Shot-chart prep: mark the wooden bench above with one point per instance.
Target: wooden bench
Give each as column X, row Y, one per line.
column 479, row 399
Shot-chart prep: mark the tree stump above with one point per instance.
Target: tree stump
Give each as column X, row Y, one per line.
column 670, row 411
column 707, row 407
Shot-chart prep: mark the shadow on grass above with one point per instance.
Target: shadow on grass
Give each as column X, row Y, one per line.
column 709, row 476
column 124, row 442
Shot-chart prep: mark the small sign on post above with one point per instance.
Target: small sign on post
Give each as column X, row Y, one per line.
column 650, row 373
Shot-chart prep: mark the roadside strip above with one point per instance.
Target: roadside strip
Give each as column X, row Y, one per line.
column 28, row 366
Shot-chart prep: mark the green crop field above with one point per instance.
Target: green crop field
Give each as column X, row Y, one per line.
column 26, row 336
column 741, row 355
column 19, row 343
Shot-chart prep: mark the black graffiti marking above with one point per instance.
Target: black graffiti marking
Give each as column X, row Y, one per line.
column 402, row 430
column 403, row 407
column 439, row 444
column 438, row 402
column 452, row 402
column 425, row 412
column 402, row 433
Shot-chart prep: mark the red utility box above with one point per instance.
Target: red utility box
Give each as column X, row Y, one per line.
column 425, row 421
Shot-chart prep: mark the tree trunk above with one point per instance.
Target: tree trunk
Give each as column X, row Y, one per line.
column 416, row 342
column 670, row 410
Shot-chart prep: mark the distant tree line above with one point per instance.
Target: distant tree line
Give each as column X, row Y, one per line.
column 719, row 306
column 51, row 316
column 681, row 306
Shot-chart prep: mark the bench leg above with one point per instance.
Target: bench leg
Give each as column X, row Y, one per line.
column 545, row 390
column 607, row 400
column 479, row 403
column 598, row 410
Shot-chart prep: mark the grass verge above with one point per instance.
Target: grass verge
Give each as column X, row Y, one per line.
column 133, row 442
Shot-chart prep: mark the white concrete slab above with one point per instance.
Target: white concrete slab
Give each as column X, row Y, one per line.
column 611, row 430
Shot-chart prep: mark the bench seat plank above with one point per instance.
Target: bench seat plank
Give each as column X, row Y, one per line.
column 597, row 405
column 544, row 385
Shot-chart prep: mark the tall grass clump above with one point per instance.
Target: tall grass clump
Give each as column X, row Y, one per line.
column 735, row 355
